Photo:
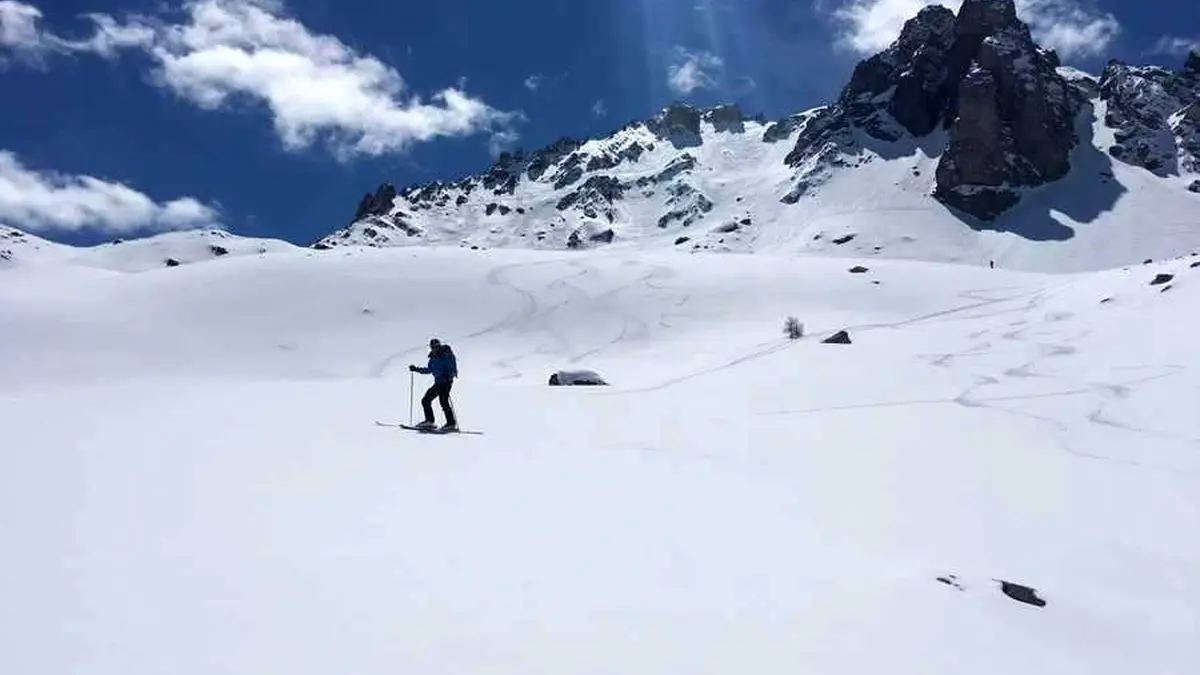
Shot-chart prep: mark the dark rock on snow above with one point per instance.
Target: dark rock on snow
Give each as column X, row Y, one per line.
column 1009, row 113
column 171, row 262
column 378, row 204
column 564, row 378
column 858, row 269
column 1161, row 279
column 1021, row 593
column 839, row 338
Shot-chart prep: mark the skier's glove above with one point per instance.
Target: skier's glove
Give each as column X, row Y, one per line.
column 412, row 369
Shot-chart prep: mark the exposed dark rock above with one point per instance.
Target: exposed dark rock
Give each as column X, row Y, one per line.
column 1144, row 111
column 601, row 161
column 520, row 210
column 171, row 262
column 745, row 221
column 727, row 228
column 1160, row 279
column 1195, row 264
column 577, row 238
column 951, row 580
column 780, row 130
column 491, row 208
column 570, row 172
column 839, row 338
column 844, row 239
column 504, row 210
column 378, row 204
column 1021, row 593
column 682, row 163
column 565, row 378
column 632, row 153
column 859, row 269
column 595, row 191
column 547, row 157
column 916, row 65
column 688, row 205
column 1015, row 114
column 726, row 118
column 462, row 199
column 681, row 240
column 1009, row 113
column 678, row 124
column 218, row 250
column 1194, row 187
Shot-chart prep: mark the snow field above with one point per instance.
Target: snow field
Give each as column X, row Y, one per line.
column 192, row 480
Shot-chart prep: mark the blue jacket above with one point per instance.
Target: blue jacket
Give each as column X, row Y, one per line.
column 442, row 364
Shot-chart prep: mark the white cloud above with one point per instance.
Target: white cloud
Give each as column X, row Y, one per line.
column 316, row 87
column 1072, row 27
column 19, row 31
column 599, row 108
column 533, row 82
column 40, row 200
column 693, row 70
column 1176, row 46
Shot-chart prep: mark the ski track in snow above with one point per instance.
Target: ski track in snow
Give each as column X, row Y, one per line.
column 794, row 497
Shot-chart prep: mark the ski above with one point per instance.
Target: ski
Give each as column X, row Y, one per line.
column 426, row 430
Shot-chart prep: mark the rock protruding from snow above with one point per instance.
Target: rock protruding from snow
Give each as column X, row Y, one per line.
column 1021, row 593
column 1010, row 114
column 839, row 338
column 1013, row 115
column 378, row 204
column 569, row 378
column 1155, row 116
column 679, row 124
column 726, row 118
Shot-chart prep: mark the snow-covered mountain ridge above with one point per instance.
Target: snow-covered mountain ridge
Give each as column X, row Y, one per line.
column 169, row 249
column 963, row 141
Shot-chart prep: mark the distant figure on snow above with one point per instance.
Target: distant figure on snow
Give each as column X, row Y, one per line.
column 444, row 368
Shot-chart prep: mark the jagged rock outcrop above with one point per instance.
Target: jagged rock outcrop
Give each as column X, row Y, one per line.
column 1155, row 115
column 594, row 197
column 978, row 75
column 679, row 125
column 378, row 204
column 726, row 118
column 1014, row 123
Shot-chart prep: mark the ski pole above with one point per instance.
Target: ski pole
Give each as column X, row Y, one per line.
column 411, row 379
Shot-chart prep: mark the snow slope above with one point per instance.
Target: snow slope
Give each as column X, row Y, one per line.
column 134, row 255
column 1105, row 213
column 191, row 480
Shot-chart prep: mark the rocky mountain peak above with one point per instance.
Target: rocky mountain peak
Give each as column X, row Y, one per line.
column 986, row 17
column 1152, row 111
column 377, row 204
column 977, row 75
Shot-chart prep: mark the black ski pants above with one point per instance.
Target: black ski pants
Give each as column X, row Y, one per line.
column 441, row 391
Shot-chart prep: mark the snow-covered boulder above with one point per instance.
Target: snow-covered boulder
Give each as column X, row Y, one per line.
column 564, row 378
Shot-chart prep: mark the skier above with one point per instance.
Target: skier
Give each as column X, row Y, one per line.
column 444, row 368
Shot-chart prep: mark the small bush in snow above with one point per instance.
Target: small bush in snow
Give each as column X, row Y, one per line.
column 793, row 328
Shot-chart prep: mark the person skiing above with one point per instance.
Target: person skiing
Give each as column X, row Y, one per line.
column 444, row 368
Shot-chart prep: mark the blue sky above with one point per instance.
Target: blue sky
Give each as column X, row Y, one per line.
column 272, row 117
